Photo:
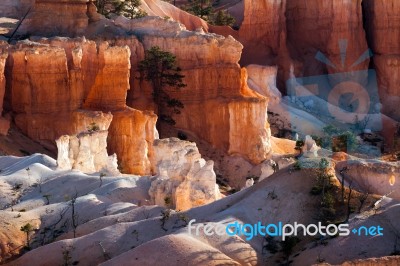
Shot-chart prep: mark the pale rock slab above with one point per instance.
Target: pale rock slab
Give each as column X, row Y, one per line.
column 310, row 148
column 87, row 151
column 184, row 180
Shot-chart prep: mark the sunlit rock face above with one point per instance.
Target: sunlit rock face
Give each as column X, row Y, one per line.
column 336, row 29
column 103, row 76
column 272, row 32
column 329, row 22
column 262, row 79
column 215, row 82
column 131, row 137
column 87, row 151
column 53, row 82
column 60, row 78
column 4, row 124
column 262, row 31
column 184, row 180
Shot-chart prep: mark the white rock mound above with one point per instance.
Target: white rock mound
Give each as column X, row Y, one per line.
column 310, row 148
column 86, row 152
column 184, row 179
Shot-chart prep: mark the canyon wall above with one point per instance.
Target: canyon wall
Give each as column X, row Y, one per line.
column 289, row 34
column 68, row 77
column 383, row 32
column 215, row 83
column 4, row 123
column 52, row 83
column 56, row 18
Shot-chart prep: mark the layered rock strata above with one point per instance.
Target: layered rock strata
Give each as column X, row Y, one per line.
column 4, row 123
column 52, row 82
column 215, row 82
column 383, row 33
column 103, row 76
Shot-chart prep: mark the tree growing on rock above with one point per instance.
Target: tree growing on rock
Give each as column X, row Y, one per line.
column 223, row 18
column 161, row 70
column 27, row 229
column 205, row 10
column 127, row 8
column 200, row 8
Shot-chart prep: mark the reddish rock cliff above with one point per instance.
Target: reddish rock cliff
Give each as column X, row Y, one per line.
column 86, row 76
column 383, row 24
column 4, row 123
column 57, row 18
column 215, row 83
column 131, row 136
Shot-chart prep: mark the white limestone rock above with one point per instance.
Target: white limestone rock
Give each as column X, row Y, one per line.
column 86, row 152
column 184, row 180
column 310, row 148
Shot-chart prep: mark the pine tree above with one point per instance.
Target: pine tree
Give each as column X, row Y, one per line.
column 223, row 18
column 127, row 8
column 160, row 68
column 200, row 8
column 27, row 229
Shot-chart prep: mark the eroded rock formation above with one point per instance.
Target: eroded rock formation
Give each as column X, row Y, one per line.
column 131, row 137
column 383, row 32
column 87, row 151
column 4, row 124
column 184, row 180
column 215, row 83
column 86, row 76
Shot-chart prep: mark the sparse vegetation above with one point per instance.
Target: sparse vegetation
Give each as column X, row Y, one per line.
column 299, row 145
column 93, row 127
column 338, row 140
column 182, row 135
column 47, row 197
column 165, row 215
column 168, row 201
column 272, row 195
column 67, row 258
column 101, row 175
column 17, row 186
column 288, row 245
column 27, row 229
column 127, row 8
column 74, row 215
column 205, row 10
column 297, row 166
column 161, row 70
column 223, row 18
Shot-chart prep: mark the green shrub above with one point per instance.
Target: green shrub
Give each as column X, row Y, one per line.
column 316, row 190
column 299, row 145
column 297, row 166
